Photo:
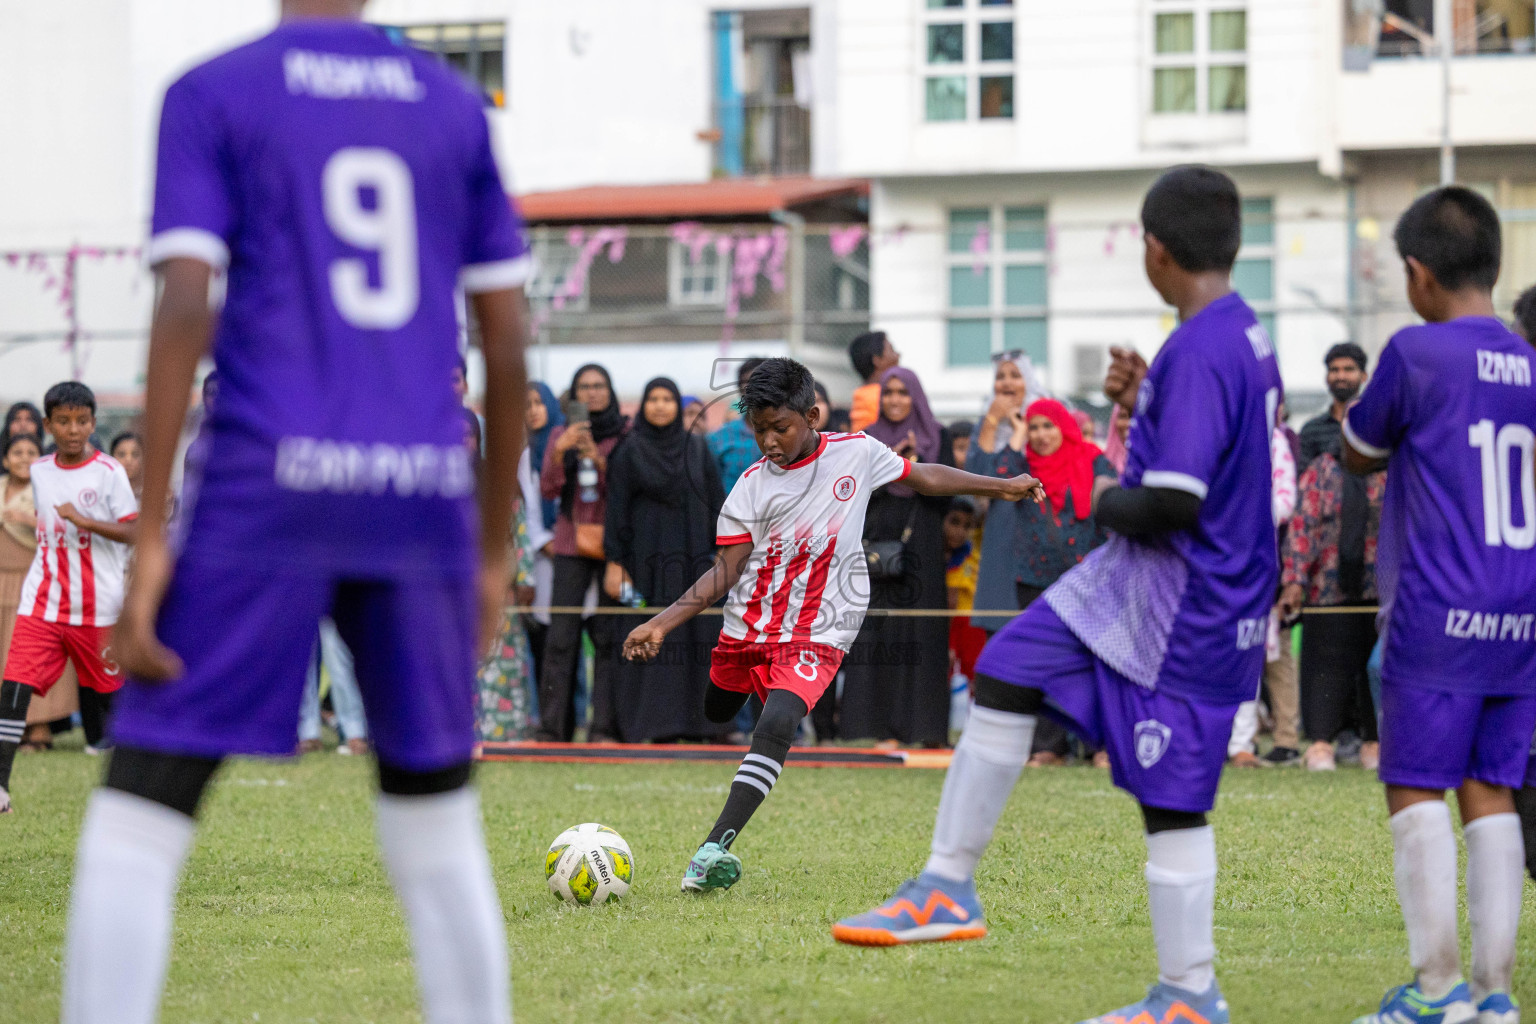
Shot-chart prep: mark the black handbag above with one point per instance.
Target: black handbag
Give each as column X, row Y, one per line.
column 887, row 559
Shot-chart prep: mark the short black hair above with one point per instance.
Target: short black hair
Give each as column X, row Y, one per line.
column 962, row 428
column 1348, row 350
column 960, row 503
column 1525, row 314
column 1454, row 233
column 838, row 420
column 747, row 368
column 69, row 394
column 126, row 435
column 864, row 350
column 10, row 442
column 778, row 383
column 1196, row 213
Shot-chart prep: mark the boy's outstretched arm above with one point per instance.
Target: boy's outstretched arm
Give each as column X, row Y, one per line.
column 178, row 338
column 645, row 639
column 937, row 480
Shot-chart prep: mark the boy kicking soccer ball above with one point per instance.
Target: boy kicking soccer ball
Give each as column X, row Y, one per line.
column 74, row 590
column 1451, row 410
column 791, row 556
column 348, row 188
column 1148, row 646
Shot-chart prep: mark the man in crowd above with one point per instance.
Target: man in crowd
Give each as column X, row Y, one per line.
column 872, row 354
column 733, row 445
column 1346, row 363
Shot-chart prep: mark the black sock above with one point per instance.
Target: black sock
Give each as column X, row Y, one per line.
column 761, row 767
column 14, row 698
column 94, row 709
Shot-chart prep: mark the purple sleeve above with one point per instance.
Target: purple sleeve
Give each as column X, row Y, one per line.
column 1375, row 424
column 496, row 242
column 193, row 210
column 1179, row 438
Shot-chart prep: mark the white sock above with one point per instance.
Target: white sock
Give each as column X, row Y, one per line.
column 986, row 764
column 1495, row 885
column 435, row 853
column 119, row 937
column 1181, row 893
column 1424, row 866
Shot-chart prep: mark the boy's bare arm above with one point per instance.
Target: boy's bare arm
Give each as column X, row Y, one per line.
column 931, row 478
column 123, row 533
column 645, row 639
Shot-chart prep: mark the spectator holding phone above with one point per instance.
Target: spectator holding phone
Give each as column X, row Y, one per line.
column 575, row 472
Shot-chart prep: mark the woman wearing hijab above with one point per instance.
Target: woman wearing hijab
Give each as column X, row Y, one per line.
column 664, row 497
column 543, row 416
column 896, row 685
column 22, row 418
column 1049, row 539
column 984, row 455
column 576, row 474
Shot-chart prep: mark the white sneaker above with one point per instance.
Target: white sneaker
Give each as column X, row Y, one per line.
column 5, row 801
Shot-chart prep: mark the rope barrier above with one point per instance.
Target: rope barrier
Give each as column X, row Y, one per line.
column 889, row 613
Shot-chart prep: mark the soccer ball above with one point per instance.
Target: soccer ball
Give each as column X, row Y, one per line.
column 589, row 864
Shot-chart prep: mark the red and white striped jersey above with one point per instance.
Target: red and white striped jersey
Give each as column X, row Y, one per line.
column 806, row 578
column 77, row 577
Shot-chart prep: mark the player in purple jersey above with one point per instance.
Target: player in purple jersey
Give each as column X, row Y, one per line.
column 1451, row 410
column 348, row 189
column 1150, row 644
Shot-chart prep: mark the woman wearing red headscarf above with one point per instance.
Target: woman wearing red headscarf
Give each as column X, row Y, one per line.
column 1049, row 539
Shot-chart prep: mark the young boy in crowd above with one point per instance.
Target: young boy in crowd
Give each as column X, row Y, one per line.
column 1451, row 410
column 336, row 481
column 962, row 566
column 1147, row 647
column 791, row 557
column 74, row 590
column 871, row 354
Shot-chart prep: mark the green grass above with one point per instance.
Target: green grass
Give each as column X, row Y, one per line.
column 285, row 916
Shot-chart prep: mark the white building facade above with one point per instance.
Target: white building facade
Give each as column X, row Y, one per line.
column 1008, row 143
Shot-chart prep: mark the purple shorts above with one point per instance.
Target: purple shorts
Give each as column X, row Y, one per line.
column 1166, row 751
column 247, row 637
column 1436, row 739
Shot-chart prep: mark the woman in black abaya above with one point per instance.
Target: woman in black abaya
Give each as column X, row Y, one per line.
column 664, row 496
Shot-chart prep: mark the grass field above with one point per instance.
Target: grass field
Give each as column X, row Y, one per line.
column 285, row 916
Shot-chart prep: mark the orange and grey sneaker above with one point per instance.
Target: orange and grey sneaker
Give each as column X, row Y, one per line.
column 925, row 909
column 1169, row 1004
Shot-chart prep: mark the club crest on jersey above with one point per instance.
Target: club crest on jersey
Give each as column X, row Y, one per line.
column 843, row 489
column 87, row 497
column 1151, row 741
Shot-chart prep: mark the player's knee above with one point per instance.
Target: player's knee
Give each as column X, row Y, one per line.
column 991, row 692
column 406, row 782
column 721, row 705
column 1160, row 819
column 782, row 714
column 171, row 780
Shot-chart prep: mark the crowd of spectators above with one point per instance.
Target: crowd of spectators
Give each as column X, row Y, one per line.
column 618, row 513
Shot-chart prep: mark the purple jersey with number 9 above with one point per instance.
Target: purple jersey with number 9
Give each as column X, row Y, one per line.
column 1454, row 407
column 348, row 188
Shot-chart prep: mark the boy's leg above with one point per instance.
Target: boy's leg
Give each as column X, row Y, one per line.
column 762, row 765
column 95, row 707
column 1181, row 896
column 88, row 648
column 345, row 696
column 34, row 663
column 138, row 829
column 413, row 645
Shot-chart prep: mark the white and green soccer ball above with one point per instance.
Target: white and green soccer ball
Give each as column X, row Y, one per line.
column 589, row 864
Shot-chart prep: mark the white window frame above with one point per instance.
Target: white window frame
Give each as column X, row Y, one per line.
column 553, row 259
column 970, row 16
column 1266, row 251
column 997, row 260
column 681, row 268
column 1201, row 59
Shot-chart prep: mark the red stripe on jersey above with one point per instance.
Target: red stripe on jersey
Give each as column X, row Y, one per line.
column 40, row 599
column 816, row 584
column 906, row 469
column 754, row 467
column 735, row 538
column 754, row 612
column 791, row 573
column 61, row 557
column 87, row 586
